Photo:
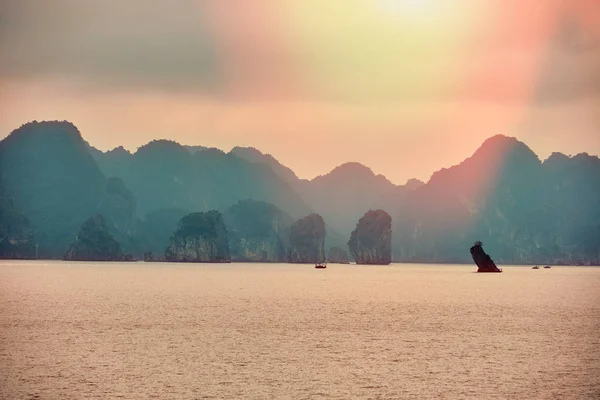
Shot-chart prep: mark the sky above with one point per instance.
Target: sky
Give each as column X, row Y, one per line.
column 406, row 87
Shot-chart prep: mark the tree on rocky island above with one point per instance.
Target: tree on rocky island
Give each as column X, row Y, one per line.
column 94, row 243
column 200, row 237
column 307, row 240
column 371, row 241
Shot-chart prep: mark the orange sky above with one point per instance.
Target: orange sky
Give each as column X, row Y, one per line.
column 404, row 86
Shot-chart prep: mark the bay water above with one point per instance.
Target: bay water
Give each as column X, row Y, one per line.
column 71, row 330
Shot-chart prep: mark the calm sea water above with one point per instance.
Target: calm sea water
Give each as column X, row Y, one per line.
column 139, row 330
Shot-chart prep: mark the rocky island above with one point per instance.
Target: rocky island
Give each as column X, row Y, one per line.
column 482, row 259
column 257, row 231
column 371, row 241
column 200, row 237
column 307, row 240
column 94, row 243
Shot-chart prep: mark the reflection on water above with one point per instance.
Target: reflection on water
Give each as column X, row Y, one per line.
column 138, row 330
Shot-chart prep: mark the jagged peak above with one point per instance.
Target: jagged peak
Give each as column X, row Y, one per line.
column 119, row 150
column 352, row 167
column 161, row 144
column 502, row 144
column 560, row 160
column 585, row 156
column 46, row 128
column 352, row 170
column 494, row 150
column 413, row 183
column 210, row 151
column 557, row 156
column 246, row 150
column 253, row 155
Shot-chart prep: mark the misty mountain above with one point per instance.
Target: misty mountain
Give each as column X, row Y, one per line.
column 48, row 172
column 344, row 195
column 164, row 174
column 524, row 211
column 253, row 155
column 52, row 178
column 341, row 196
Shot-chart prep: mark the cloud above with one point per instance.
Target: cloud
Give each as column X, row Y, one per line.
column 341, row 51
column 129, row 43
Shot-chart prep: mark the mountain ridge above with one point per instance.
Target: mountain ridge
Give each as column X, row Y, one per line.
column 524, row 208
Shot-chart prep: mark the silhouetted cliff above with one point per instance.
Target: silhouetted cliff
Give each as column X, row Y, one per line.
column 94, row 243
column 483, row 261
column 307, row 240
column 370, row 242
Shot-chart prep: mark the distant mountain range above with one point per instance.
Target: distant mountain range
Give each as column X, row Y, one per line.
column 524, row 210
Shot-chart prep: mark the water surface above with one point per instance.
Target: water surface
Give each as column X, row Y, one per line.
column 153, row 330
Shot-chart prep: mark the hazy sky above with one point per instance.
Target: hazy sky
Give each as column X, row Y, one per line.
column 404, row 86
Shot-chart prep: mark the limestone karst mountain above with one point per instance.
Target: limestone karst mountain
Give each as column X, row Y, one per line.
column 371, row 240
column 525, row 210
column 200, row 237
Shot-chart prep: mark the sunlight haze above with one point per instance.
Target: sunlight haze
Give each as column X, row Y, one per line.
column 405, row 87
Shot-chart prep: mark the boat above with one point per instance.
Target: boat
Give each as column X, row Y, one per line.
column 547, row 266
column 536, row 267
column 320, row 265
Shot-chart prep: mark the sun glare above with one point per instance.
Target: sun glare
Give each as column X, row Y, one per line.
column 409, row 6
column 420, row 11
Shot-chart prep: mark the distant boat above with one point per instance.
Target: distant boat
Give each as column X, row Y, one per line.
column 547, row 266
column 536, row 267
column 321, row 266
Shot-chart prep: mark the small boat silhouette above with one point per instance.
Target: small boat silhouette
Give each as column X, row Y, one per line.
column 547, row 266
column 321, row 266
column 536, row 267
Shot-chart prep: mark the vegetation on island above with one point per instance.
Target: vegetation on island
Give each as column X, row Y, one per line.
column 200, row 237
column 94, row 243
column 307, row 240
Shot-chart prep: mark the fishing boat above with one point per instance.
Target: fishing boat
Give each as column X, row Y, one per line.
column 321, row 265
column 536, row 267
column 547, row 266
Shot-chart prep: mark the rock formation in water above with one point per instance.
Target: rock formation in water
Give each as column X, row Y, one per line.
column 371, row 241
column 307, row 240
column 257, row 231
column 200, row 237
column 338, row 255
column 484, row 262
column 94, row 243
